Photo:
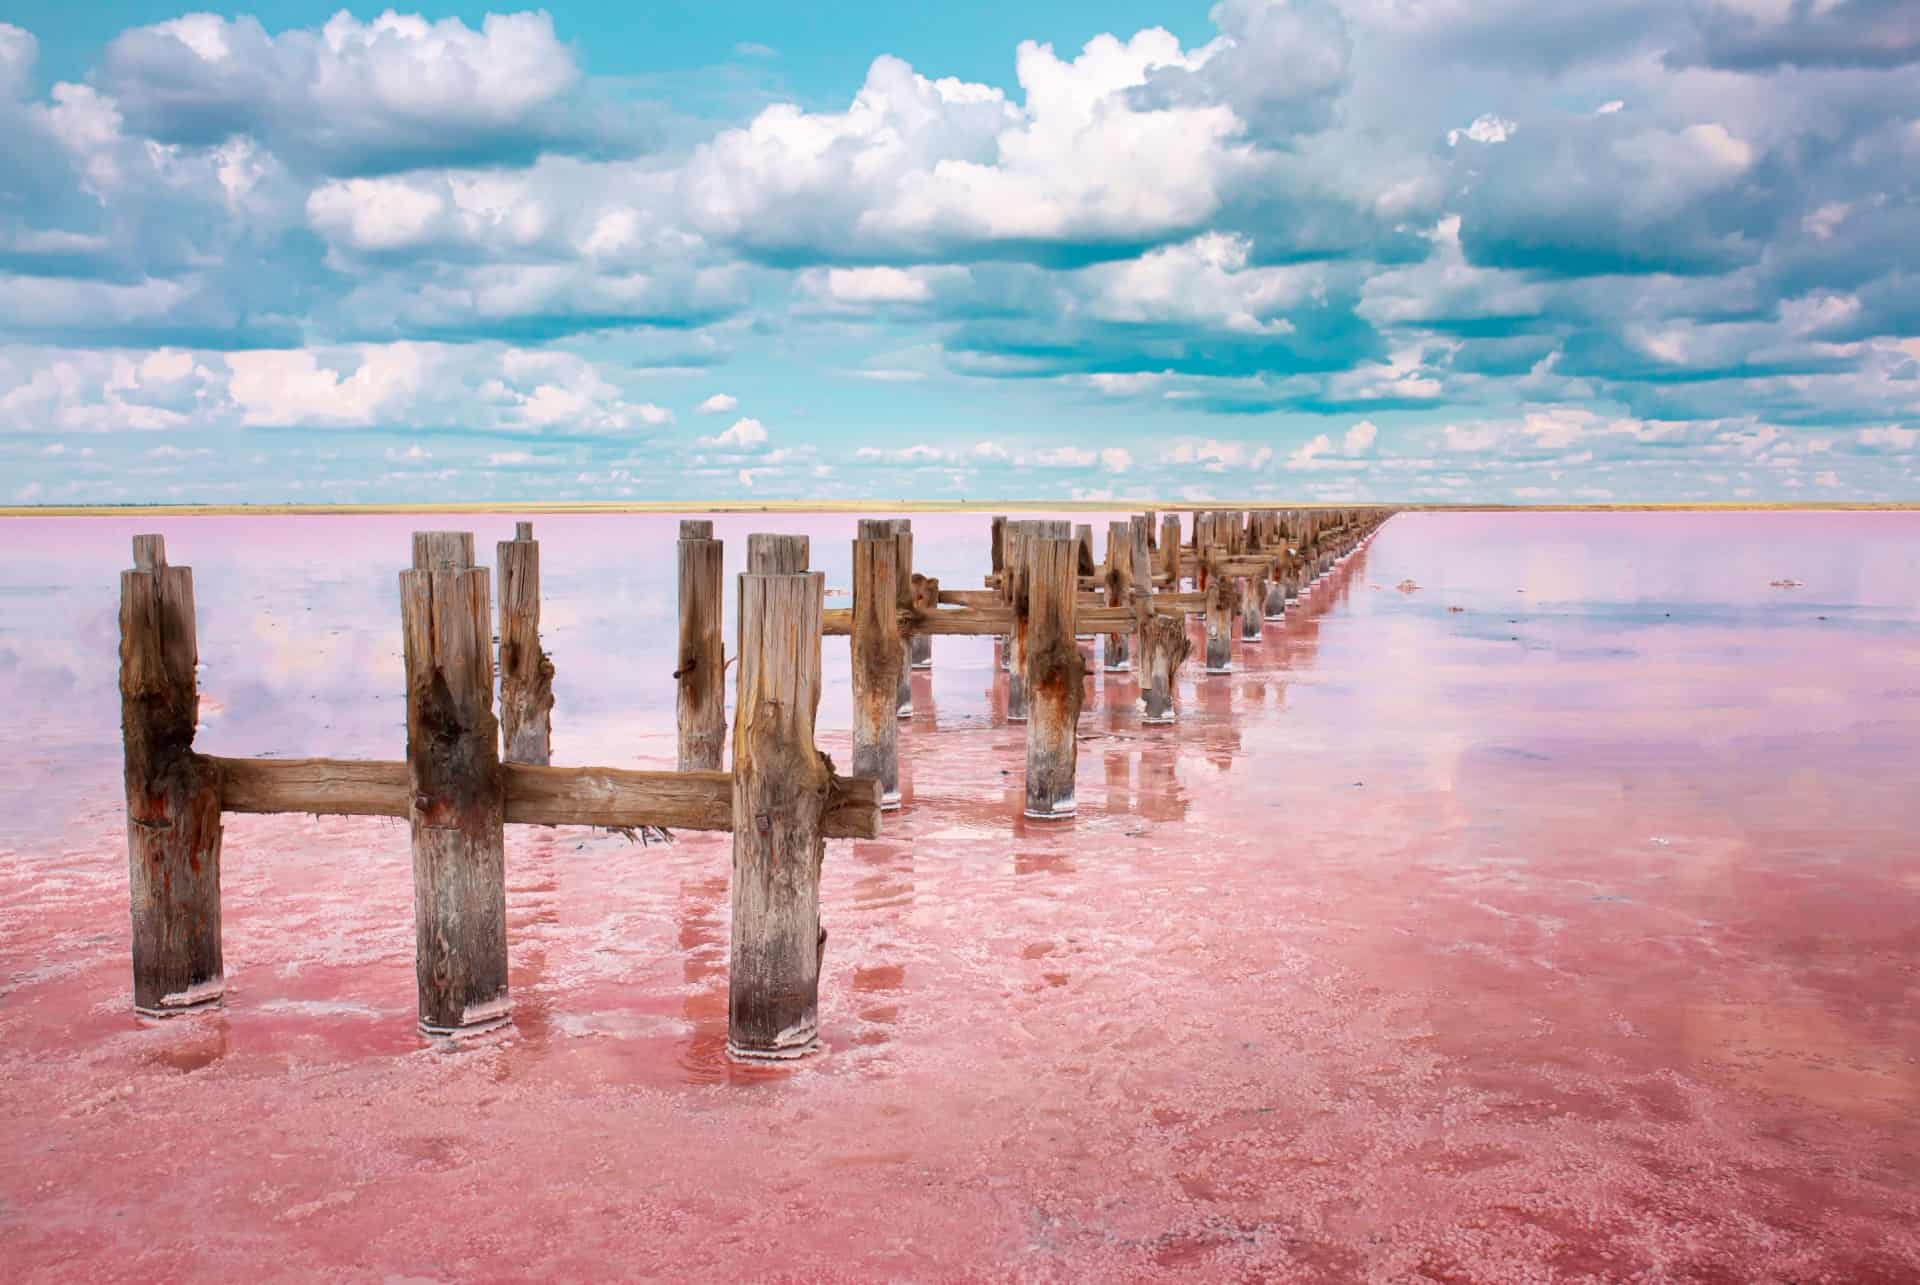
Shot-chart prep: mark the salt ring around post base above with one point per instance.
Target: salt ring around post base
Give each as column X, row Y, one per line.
column 486, row 1027
column 773, row 1055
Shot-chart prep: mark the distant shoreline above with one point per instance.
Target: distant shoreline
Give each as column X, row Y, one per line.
column 892, row 506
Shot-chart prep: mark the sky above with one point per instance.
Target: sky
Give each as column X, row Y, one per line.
column 1512, row 251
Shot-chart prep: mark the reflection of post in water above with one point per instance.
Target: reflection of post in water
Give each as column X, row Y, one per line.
column 703, row 995
column 1219, row 730
column 1158, row 796
column 533, row 899
column 925, row 718
column 1043, row 861
column 1118, row 764
column 883, row 891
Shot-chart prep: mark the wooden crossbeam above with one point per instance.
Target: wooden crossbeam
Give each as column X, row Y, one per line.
column 978, row 621
column 616, row 798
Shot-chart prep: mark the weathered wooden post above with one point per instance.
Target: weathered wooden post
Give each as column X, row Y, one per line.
column 1055, row 673
column 997, row 555
column 926, row 598
column 1273, row 543
column 903, row 572
column 1253, row 606
column 1119, row 588
column 1084, row 564
column 1013, row 587
column 876, row 656
column 701, row 701
column 1164, row 646
column 1219, row 620
column 1170, row 550
column 458, row 801
column 782, row 786
column 526, row 672
column 1140, row 540
column 778, row 555
column 173, row 794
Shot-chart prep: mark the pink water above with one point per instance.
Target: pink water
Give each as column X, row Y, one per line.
column 1558, row 919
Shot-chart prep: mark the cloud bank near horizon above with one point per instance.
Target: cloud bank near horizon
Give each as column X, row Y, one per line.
column 1506, row 250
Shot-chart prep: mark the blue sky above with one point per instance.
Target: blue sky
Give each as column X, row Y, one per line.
column 1462, row 250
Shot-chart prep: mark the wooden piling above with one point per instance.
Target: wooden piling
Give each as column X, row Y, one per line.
column 1253, row 606
column 782, row 786
column 1219, row 614
column 1170, row 550
column 457, row 811
column 1055, row 673
column 701, row 671
column 526, row 672
column 1140, row 540
column 173, row 794
column 997, row 564
column 778, row 555
column 1275, row 607
column 903, row 575
column 1164, row 646
column 926, row 598
column 1119, row 590
column 1013, row 587
column 876, row 657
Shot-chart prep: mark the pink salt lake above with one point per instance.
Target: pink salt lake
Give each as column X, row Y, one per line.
column 1556, row 920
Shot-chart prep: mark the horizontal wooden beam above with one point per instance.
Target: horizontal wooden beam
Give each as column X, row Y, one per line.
column 979, row 621
column 617, row 798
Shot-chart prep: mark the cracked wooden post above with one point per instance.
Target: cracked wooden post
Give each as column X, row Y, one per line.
column 458, row 806
column 778, row 555
column 1119, row 587
column 782, row 786
column 876, row 657
column 926, row 598
column 1140, row 542
column 1164, row 647
column 997, row 564
column 526, row 672
column 1273, row 543
column 1084, row 565
column 903, row 571
column 1253, row 606
column 1170, row 551
column 700, row 668
column 1219, row 620
column 1013, row 588
column 1055, row 673
column 173, row 794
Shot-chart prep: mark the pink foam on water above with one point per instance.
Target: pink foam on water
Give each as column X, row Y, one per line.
column 1567, row 934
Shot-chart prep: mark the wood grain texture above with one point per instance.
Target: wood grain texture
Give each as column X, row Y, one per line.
column 1119, row 593
column 457, row 797
column 613, row 798
column 526, row 671
column 903, row 574
column 877, row 658
column 700, row 664
column 778, row 555
column 173, row 794
column 781, row 789
column 1056, row 673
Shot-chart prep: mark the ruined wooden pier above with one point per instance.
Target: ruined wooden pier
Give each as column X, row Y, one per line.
column 466, row 773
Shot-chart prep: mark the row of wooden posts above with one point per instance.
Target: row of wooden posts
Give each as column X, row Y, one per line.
column 466, row 774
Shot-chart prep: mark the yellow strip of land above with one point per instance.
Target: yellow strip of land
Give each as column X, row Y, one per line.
column 893, row 506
